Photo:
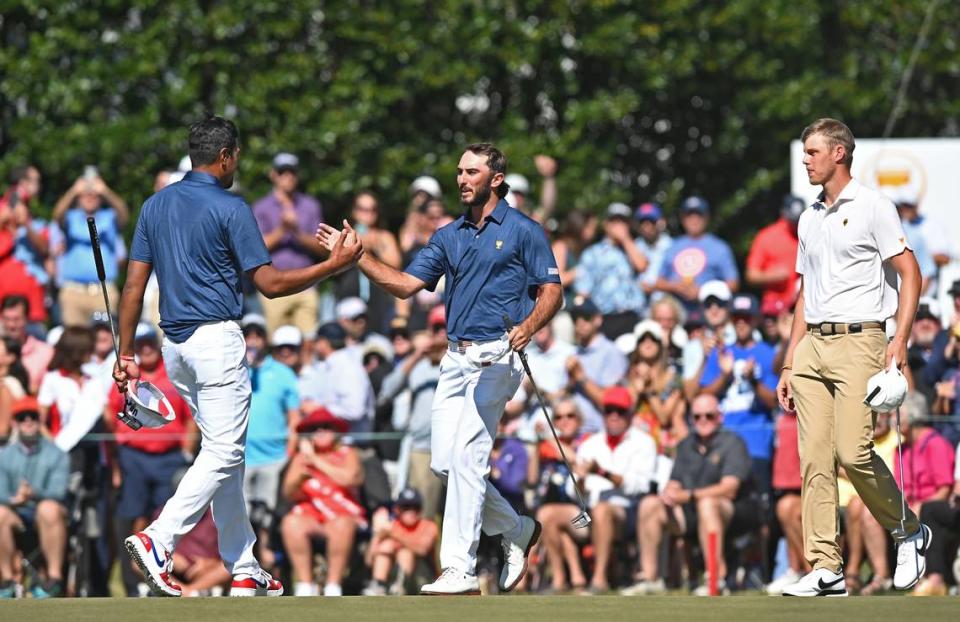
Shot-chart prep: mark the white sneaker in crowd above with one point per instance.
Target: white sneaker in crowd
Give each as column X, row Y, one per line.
column 911, row 558
column 704, row 589
column 645, row 588
column 453, row 582
column 819, row 582
column 775, row 587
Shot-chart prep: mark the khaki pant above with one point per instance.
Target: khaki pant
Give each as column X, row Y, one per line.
column 426, row 482
column 297, row 309
column 78, row 301
column 829, row 384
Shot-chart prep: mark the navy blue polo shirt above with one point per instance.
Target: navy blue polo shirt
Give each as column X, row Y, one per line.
column 199, row 239
column 490, row 272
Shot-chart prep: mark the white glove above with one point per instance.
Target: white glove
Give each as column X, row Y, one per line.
column 886, row 389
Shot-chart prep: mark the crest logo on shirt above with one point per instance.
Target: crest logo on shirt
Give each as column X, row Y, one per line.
column 845, row 221
column 499, row 244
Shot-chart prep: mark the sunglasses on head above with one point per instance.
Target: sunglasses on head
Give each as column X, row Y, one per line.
column 710, row 416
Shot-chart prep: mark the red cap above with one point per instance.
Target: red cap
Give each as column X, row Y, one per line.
column 25, row 404
column 618, row 397
column 323, row 418
column 772, row 306
column 438, row 315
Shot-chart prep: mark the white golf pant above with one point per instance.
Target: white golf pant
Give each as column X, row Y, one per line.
column 209, row 373
column 474, row 386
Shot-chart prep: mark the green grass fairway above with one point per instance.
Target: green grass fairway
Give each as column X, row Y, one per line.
column 486, row 609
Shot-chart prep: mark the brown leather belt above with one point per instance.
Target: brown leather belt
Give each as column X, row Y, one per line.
column 839, row 328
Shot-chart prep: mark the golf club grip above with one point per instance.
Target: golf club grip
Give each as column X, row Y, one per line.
column 95, row 241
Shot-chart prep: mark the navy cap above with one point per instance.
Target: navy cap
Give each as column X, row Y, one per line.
column 695, row 204
column 584, row 307
column 331, row 331
column 744, row 304
column 648, row 211
column 409, row 498
column 792, row 208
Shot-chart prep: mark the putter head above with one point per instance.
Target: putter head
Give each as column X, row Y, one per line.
column 129, row 421
column 581, row 520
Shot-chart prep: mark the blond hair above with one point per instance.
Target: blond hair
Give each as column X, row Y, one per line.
column 836, row 133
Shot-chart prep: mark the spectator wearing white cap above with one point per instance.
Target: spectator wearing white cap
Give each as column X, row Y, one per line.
column 609, row 271
column 352, row 315
column 288, row 220
column 697, row 256
column 287, row 344
column 520, row 197
column 715, row 298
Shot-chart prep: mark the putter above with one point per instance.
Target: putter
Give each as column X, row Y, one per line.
column 130, row 422
column 581, row 520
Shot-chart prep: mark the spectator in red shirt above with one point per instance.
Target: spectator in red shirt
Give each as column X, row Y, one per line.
column 146, row 461
column 771, row 264
column 34, row 354
column 401, row 540
column 787, row 482
column 927, row 456
column 18, row 229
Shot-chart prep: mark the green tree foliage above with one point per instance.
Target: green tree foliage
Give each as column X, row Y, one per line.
column 636, row 99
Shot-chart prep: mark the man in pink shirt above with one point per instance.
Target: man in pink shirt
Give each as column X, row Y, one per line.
column 34, row 354
column 927, row 456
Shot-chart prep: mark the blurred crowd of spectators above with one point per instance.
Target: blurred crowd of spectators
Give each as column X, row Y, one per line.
column 659, row 376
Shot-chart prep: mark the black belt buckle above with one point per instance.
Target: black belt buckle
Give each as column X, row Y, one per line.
column 855, row 328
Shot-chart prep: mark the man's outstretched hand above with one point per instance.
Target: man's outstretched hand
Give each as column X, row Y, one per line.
column 344, row 247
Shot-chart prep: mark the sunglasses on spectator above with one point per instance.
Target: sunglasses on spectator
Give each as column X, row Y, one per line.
column 714, row 302
column 436, row 328
column 28, row 414
column 561, row 416
column 710, row 416
column 614, row 410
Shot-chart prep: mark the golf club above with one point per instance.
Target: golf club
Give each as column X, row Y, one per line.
column 581, row 520
column 903, row 497
column 130, row 422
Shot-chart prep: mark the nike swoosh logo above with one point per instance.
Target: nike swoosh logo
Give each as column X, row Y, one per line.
column 827, row 586
column 153, row 549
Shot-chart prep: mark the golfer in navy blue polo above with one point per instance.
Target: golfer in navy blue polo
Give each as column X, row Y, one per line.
column 496, row 262
column 200, row 239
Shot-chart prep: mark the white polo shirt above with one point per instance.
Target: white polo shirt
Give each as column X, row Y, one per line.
column 841, row 257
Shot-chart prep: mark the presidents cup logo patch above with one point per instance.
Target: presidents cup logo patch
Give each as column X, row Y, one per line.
column 499, row 244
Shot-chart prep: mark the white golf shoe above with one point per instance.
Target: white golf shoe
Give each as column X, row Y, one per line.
column 515, row 553
column 819, row 582
column 911, row 558
column 775, row 587
column 453, row 582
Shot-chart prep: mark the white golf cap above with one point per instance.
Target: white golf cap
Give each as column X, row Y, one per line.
column 174, row 177
column 253, row 319
column 510, row 198
column 185, row 165
column 145, row 331
column 287, row 335
column 351, row 308
column 648, row 327
column 717, row 289
column 886, row 389
column 626, row 343
column 285, row 160
column 518, row 183
column 148, row 405
column 53, row 335
column 427, row 184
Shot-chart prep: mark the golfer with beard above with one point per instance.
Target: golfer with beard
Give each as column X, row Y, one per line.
column 497, row 262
